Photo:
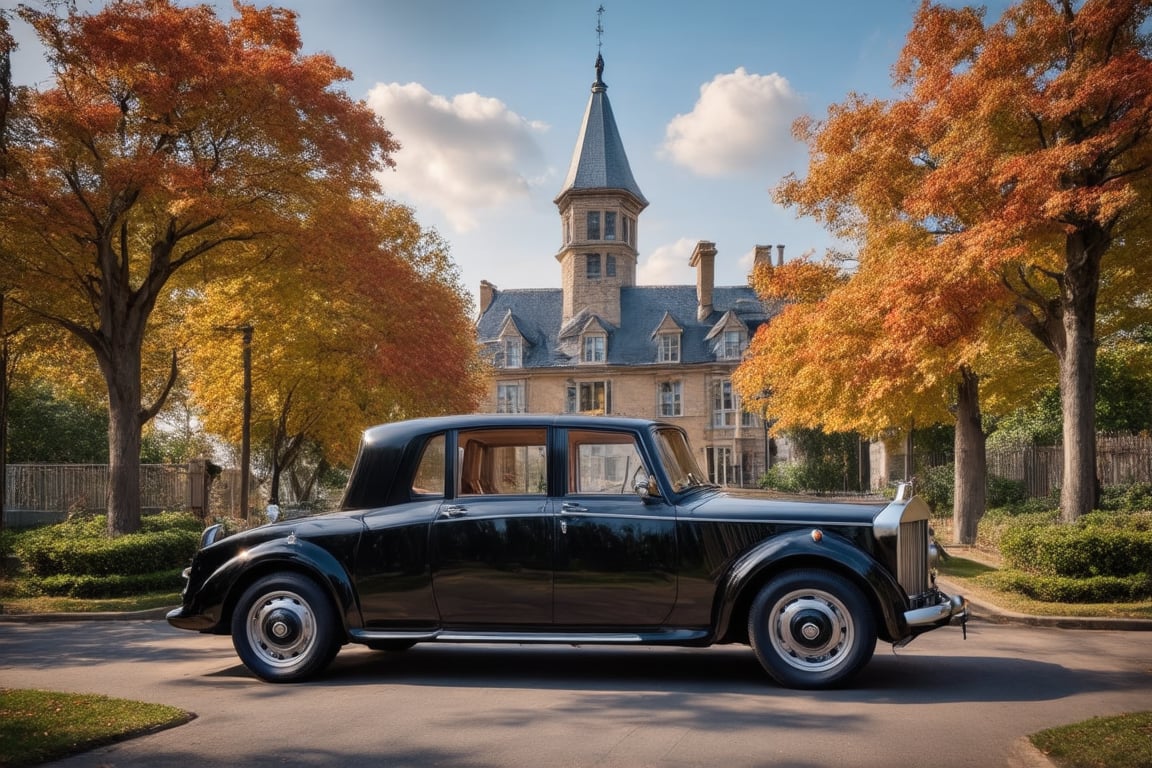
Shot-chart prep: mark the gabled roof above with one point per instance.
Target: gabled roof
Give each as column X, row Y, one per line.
column 727, row 322
column 642, row 308
column 667, row 325
column 599, row 161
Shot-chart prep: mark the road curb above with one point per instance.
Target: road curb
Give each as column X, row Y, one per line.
column 996, row 615
column 34, row 618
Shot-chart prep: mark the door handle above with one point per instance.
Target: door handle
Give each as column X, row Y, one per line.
column 570, row 506
column 453, row 510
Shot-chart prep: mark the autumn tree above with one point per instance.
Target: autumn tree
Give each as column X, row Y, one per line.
column 1022, row 148
column 171, row 147
column 368, row 328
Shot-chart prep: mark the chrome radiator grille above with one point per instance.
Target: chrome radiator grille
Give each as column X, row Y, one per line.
column 912, row 565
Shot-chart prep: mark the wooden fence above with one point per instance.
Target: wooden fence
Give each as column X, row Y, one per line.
column 40, row 494
column 1120, row 459
column 46, row 493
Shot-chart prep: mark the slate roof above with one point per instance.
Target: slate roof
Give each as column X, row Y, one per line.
column 599, row 160
column 537, row 314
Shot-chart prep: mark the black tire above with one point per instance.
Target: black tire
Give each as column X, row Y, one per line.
column 284, row 628
column 391, row 646
column 811, row 629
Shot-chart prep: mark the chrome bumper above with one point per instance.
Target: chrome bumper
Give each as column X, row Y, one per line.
column 940, row 613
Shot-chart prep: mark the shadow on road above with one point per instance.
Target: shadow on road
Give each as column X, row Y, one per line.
column 732, row 670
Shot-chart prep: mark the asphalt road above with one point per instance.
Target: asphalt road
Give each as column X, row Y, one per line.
column 942, row 701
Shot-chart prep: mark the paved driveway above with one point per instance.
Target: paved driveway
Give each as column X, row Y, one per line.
column 942, row 701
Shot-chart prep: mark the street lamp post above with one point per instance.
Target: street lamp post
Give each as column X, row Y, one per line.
column 246, row 423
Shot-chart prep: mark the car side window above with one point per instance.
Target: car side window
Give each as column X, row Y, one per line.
column 502, row 461
column 603, row 462
column 429, row 478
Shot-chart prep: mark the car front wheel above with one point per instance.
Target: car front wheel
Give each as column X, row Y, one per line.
column 284, row 628
column 811, row 629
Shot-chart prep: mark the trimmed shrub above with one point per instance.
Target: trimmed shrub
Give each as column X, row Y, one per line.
column 1062, row 589
column 98, row 587
column 1103, row 545
column 81, row 547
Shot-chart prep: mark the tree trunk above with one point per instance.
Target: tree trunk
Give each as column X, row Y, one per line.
column 122, row 374
column 971, row 478
column 1079, row 288
column 4, row 389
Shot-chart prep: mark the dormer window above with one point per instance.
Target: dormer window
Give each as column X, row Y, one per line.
column 593, row 348
column 731, row 345
column 512, row 352
column 668, row 348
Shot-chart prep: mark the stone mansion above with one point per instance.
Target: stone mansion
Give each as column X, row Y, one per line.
column 602, row 344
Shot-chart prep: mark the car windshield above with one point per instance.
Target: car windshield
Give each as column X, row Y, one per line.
column 683, row 472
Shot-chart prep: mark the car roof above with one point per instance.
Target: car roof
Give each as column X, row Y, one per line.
column 404, row 430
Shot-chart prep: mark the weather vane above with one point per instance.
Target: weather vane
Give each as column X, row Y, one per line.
column 599, row 27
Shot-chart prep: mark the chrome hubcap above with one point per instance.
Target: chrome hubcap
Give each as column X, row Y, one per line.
column 811, row 630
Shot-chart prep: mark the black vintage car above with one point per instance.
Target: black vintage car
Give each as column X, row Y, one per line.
column 566, row 529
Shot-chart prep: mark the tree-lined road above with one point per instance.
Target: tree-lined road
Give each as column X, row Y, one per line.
column 941, row 701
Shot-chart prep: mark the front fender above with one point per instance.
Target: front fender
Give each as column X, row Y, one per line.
column 803, row 549
column 221, row 589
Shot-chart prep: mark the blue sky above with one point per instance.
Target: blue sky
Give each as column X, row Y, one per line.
column 486, row 99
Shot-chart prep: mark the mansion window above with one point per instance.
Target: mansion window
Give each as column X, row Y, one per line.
column 724, row 406
column 609, row 265
column 512, row 352
column 510, row 397
column 593, row 225
column 592, row 266
column 610, row 225
column 670, row 398
column 630, row 230
column 731, row 346
column 594, row 345
column 668, row 348
column 589, row 397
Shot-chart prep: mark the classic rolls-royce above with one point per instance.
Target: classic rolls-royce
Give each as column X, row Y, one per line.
column 566, row 529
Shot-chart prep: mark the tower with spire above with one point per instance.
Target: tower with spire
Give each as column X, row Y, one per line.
column 599, row 205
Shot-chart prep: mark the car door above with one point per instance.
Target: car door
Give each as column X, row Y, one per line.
column 615, row 552
column 492, row 539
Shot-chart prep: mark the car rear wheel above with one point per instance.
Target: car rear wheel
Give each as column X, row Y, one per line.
column 284, row 628
column 811, row 629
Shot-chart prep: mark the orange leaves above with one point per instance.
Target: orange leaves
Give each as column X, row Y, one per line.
column 799, row 280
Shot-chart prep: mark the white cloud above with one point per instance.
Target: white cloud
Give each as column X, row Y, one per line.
column 742, row 122
column 668, row 265
column 459, row 155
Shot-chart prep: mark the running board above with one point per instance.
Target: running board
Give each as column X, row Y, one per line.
column 658, row 637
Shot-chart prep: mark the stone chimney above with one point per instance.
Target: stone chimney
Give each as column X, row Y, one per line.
column 704, row 260
column 763, row 257
column 487, row 294
column 779, row 256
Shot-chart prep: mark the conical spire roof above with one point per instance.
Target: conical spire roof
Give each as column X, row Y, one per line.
column 599, row 161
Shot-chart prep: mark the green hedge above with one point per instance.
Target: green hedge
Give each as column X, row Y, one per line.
column 1062, row 589
column 97, row 587
column 81, row 548
column 1100, row 545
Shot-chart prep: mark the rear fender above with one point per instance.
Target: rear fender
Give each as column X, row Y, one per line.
column 810, row 549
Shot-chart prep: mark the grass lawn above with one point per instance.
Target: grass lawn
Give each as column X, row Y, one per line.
column 13, row 605
column 38, row 726
column 1123, row 741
